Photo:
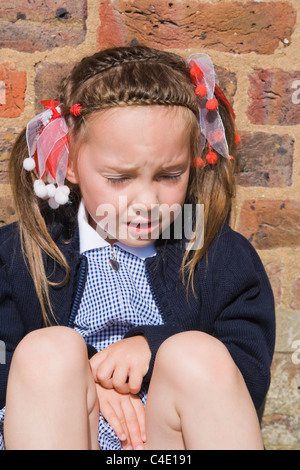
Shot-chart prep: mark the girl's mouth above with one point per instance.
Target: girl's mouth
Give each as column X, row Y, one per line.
column 142, row 228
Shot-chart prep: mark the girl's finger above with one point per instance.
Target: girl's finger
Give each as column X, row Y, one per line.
column 133, row 425
column 119, row 379
column 140, row 413
column 116, row 420
column 104, row 373
column 135, row 381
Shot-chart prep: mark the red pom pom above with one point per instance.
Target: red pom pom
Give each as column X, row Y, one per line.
column 212, row 104
column 237, row 139
column 201, row 90
column 218, row 135
column 76, row 110
column 231, row 157
column 212, row 158
column 197, row 162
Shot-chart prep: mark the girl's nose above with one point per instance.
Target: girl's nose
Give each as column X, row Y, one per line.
column 145, row 199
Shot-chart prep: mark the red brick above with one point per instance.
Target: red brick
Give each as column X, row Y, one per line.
column 235, row 27
column 37, row 26
column 270, row 224
column 265, row 160
column 110, row 32
column 15, row 86
column 274, row 97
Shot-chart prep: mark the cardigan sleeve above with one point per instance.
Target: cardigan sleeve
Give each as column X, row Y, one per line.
column 155, row 335
column 11, row 330
column 243, row 306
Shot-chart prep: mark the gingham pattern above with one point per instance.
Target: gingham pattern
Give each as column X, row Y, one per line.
column 2, row 447
column 112, row 303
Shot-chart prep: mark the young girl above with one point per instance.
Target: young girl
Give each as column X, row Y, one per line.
column 170, row 338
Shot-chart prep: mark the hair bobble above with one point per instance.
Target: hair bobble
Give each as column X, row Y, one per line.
column 76, row 110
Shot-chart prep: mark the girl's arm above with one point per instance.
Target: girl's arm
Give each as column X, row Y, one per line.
column 242, row 304
column 11, row 329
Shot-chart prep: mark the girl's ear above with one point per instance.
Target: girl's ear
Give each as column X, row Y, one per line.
column 71, row 174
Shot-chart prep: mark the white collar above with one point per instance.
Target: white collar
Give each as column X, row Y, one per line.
column 91, row 240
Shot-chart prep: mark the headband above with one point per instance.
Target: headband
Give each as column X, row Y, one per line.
column 47, row 134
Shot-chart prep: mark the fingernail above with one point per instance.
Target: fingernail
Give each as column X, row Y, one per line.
column 144, row 437
column 128, row 448
column 139, row 448
column 123, row 437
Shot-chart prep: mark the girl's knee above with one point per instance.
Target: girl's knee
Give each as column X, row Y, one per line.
column 53, row 348
column 195, row 355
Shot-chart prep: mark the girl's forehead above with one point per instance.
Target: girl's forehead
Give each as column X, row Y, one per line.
column 156, row 134
column 139, row 116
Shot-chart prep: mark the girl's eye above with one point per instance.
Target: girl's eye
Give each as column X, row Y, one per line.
column 116, row 180
column 171, row 177
column 125, row 178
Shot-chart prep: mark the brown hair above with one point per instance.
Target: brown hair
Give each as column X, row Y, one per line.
column 124, row 76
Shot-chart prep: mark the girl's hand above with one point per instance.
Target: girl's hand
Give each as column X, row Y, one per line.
column 122, row 365
column 126, row 415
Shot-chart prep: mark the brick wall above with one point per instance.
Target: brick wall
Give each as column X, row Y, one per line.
column 255, row 46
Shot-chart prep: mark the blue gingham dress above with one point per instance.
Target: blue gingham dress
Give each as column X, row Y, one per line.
column 112, row 302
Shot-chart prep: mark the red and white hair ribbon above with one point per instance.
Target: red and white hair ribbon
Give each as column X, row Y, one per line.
column 211, row 125
column 48, row 148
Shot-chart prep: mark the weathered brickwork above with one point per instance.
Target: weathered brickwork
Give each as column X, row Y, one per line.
column 235, row 27
column 255, row 47
column 37, row 26
column 274, row 97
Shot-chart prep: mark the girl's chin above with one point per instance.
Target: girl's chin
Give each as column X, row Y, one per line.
column 131, row 236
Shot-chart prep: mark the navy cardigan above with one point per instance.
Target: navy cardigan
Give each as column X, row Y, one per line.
column 234, row 300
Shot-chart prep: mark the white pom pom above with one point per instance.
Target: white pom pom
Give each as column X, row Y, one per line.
column 66, row 190
column 52, row 203
column 40, row 189
column 51, row 190
column 62, row 195
column 29, row 164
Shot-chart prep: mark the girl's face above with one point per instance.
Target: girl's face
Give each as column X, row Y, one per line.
column 133, row 171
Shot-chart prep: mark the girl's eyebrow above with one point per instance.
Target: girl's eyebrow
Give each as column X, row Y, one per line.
column 121, row 169
column 175, row 166
column 135, row 169
column 128, row 167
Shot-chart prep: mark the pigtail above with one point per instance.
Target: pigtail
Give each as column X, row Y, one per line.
column 213, row 186
column 34, row 236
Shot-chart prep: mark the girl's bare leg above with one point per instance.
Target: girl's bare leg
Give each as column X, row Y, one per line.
column 198, row 398
column 51, row 397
